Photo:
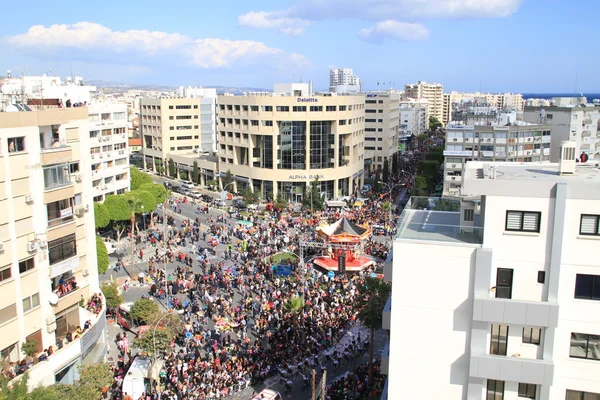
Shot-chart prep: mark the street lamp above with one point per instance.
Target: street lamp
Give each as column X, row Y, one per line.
column 154, row 343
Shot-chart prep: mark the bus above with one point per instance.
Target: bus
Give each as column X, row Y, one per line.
column 125, row 321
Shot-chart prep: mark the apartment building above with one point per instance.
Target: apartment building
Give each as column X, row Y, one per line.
column 382, row 118
column 515, row 143
column 413, row 117
column 502, row 101
column 282, row 141
column 342, row 77
column 109, row 150
column 499, row 290
column 47, row 242
column 571, row 119
column 433, row 93
column 208, row 114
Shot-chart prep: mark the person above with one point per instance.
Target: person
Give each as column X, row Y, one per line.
column 127, row 396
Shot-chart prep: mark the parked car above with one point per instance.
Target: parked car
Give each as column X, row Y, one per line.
column 168, row 185
column 206, row 198
column 188, row 184
column 239, row 204
column 195, row 195
column 252, row 207
column 219, row 203
column 176, row 189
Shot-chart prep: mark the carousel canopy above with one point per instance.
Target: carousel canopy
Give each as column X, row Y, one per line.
column 343, row 226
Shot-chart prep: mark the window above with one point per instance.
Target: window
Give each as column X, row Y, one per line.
column 183, row 117
column 16, row 144
column 170, row 107
column 183, row 107
column 342, row 122
column 504, row 280
column 495, row 390
column 371, row 101
column 330, row 108
column 590, row 225
column 244, row 108
column 74, row 167
column 577, row 395
column 370, row 120
column 469, row 214
column 63, row 248
column 531, row 335
column 370, row 111
column 523, row 221
column 26, row 265
column 195, row 106
column 316, row 108
column 283, row 108
column 584, row 345
column 254, row 122
column 342, row 108
column 587, row 287
column 267, row 123
column 8, row 313
column 541, row 278
column 527, row 390
column 31, row 302
column 267, row 108
column 5, row 273
column 299, row 109
column 253, row 108
column 58, row 175
column 499, row 339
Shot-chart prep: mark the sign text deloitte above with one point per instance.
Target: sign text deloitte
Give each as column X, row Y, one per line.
column 307, row 100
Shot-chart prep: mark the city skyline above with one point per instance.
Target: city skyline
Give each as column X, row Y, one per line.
column 493, row 45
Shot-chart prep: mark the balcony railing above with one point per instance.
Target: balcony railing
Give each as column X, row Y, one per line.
column 60, row 217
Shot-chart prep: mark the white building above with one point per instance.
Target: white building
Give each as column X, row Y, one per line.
column 343, row 80
column 382, row 116
column 496, row 297
column 571, row 119
column 502, row 101
column 108, row 149
column 433, row 93
column 208, row 114
column 413, row 117
column 48, row 258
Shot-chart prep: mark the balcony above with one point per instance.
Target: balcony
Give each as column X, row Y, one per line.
column 456, row 166
column 587, row 121
column 511, row 369
column 515, row 312
column 387, row 315
column 59, row 154
column 586, row 133
column 437, row 220
column 453, row 178
column 385, row 359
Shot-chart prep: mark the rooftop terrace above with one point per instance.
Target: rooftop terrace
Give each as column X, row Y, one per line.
column 437, row 220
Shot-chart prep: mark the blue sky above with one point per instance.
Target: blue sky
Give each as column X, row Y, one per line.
column 495, row 45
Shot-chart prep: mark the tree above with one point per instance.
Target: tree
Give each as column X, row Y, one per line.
column 373, row 293
column 430, row 169
column 17, row 390
column 280, row 201
column 97, row 376
column 138, row 178
column 435, row 154
column 227, row 179
column 172, row 171
column 377, row 177
column 119, row 213
column 101, row 255
column 65, row 392
column 168, row 326
column 111, row 294
column 434, row 123
column 160, row 194
column 395, row 166
column 420, row 187
column 196, row 173
column 101, row 215
column 387, row 206
column 249, row 196
column 422, row 138
column 312, row 198
column 386, row 171
column 30, row 347
column 293, row 304
column 144, row 311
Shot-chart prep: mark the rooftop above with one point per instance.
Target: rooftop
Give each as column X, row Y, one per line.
column 437, row 220
column 588, row 172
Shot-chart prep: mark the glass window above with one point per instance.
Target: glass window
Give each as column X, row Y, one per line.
column 26, row 265
column 31, row 302
column 527, row 390
column 292, row 145
column 283, row 108
column 531, row 335
column 57, row 176
column 587, row 287
column 5, row 273
column 322, row 145
column 584, row 345
column 578, row 395
column 61, row 249
column 525, row 221
column 16, row 144
column 495, row 390
column 253, row 108
column 499, row 339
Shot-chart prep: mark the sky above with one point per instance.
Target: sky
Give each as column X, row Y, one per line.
column 526, row 46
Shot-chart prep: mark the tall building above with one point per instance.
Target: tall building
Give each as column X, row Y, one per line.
column 343, row 80
column 109, row 150
column 171, row 130
column 433, row 93
column 382, row 114
column 413, row 117
column 502, row 101
column 208, row 114
column 48, row 259
column 518, row 142
column 447, row 105
column 571, row 119
column 281, row 142
column 500, row 289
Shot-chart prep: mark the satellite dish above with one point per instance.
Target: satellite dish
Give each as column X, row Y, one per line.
column 53, row 299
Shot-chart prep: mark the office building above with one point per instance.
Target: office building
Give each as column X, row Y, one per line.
column 109, row 150
column 433, row 93
column 518, row 142
column 499, row 290
column 571, row 119
column 48, row 259
column 171, row 130
column 342, row 80
column 208, row 114
column 382, row 115
column 280, row 142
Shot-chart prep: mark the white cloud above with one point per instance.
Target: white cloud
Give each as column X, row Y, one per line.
column 295, row 19
column 402, row 31
column 273, row 20
column 87, row 40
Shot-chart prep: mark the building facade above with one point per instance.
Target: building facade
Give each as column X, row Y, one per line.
column 382, row 118
column 570, row 121
column 342, row 77
column 501, row 101
column 505, row 278
column 515, row 143
column 109, row 149
column 281, row 143
column 433, row 93
column 47, row 242
column 208, row 114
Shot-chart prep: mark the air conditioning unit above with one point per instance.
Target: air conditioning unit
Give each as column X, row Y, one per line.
column 455, row 140
column 93, row 156
column 453, row 165
column 123, row 135
column 121, row 151
column 86, row 207
column 32, row 246
column 511, row 153
column 79, row 211
column 78, row 178
column 101, row 155
column 28, row 198
column 489, row 140
column 85, row 272
column 43, row 244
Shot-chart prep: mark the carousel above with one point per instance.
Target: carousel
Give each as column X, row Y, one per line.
column 344, row 240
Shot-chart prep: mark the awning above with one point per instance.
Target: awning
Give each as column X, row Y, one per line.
column 241, row 179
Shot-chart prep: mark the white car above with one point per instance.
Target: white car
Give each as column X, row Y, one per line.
column 188, row 184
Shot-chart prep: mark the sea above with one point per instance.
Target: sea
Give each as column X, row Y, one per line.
column 589, row 96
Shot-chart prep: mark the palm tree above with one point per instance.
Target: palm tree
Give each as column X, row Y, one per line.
column 373, row 293
column 294, row 304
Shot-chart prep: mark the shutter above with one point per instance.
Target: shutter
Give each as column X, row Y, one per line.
column 589, row 225
column 531, row 222
column 513, row 220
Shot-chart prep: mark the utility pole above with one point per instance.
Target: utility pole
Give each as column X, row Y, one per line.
column 314, row 383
